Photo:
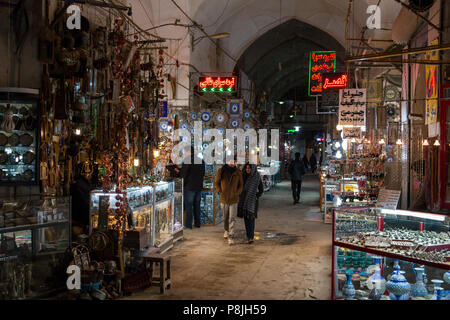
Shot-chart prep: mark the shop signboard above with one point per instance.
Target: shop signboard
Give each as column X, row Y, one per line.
column 431, row 78
column 217, row 84
column 320, row 62
column 331, row 83
column 352, row 107
column 351, row 133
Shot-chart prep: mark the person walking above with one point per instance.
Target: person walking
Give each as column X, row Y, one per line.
column 229, row 184
column 193, row 175
column 305, row 162
column 296, row 170
column 248, row 200
column 313, row 162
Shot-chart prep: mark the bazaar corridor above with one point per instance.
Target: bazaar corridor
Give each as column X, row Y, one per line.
column 290, row 258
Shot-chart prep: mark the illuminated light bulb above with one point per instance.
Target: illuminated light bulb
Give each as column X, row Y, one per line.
column 337, row 144
column 78, row 132
column 382, row 141
column 436, row 143
column 399, row 142
column 136, row 162
column 339, row 127
column 156, row 153
column 425, row 142
column 338, row 155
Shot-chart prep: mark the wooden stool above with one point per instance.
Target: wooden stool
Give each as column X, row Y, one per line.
column 163, row 281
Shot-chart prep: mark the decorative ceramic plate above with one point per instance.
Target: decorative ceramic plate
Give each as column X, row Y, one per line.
column 220, row 118
column 247, row 126
column 26, row 139
column 28, row 157
column 247, row 114
column 205, row 131
column 222, row 131
column 205, row 116
column 14, row 139
column 163, row 125
column 205, row 145
column 193, row 116
column 3, row 139
column 235, row 123
column 185, row 126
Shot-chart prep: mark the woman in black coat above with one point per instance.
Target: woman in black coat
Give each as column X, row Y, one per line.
column 248, row 200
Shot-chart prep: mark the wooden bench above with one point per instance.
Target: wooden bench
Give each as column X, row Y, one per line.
column 163, row 281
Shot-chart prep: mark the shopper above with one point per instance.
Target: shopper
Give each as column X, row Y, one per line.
column 193, row 175
column 305, row 162
column 296, row 170
column 229, row 184
column 248, row 200
column 313, row 162
column 80, row 192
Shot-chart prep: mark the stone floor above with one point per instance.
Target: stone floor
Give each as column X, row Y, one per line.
column 290, row 259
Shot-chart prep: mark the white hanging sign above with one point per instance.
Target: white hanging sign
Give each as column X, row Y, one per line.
column 352, row 107
column 351, row 133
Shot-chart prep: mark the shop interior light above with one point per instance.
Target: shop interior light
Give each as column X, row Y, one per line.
column 281, row 102
column 338, row 155
column 382, row 141
column 339, row 127
column 399, row 142
column 291, row 116
column 436, row 143
column 78, row 131
column 353, row 140
column 136, row 162
column 297, row 128
column 425, row 142
column 156, row 153
column 433, row 216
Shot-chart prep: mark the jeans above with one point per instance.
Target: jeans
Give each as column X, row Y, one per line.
column 192, row 206
column 296, row 186
column 249, row 227
column 229, row 212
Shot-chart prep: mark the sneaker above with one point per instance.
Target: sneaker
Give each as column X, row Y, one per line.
column 225, row 235
column 230, row 242
column 250, row 241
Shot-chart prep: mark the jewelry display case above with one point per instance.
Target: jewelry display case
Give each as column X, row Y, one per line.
column 385, row 254
column 35, row 235
column 164, row 224
column 178, row 216
column 139, row 225
column 19, row 154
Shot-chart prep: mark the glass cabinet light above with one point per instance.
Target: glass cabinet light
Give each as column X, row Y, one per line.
column 382, row 141
column 399, row 142
column 425, row 142
column 136, row 162
column 436, row 143
column 156, row 153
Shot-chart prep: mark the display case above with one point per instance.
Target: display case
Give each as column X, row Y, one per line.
column 210, row 211
column 139, row 233
column 164, row 225
column 385, row 254
column 19, row 152
column 34, row 237
column 178, row 216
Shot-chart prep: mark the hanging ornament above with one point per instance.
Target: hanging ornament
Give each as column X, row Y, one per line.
column 205, row 116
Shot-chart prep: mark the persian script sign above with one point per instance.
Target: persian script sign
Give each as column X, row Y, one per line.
column 351, row 133
column 352, row 107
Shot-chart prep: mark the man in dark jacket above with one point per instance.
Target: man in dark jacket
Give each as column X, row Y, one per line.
column 296, row 170
column 193, row 185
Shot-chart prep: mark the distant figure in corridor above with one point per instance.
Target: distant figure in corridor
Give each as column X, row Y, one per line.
column 229, row 184
column 192, row 175
column 313, row 162
column 296, row 170
column 305, row 162
column 248, row 200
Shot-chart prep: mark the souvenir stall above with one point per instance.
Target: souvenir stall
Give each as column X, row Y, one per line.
column 210, row 211
column 100, row 119
column 387, row 254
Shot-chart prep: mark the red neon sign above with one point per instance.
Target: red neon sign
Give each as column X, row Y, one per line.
column 335, row 81
column 320, row 62
column 219, row 84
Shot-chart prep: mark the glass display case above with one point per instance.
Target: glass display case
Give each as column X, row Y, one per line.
column 34, row 237
column 210, row 212
column 140, row 200
column 164, row 190
column 164, row 224
column 18, row 141
column 178, row 216
column 385, row 254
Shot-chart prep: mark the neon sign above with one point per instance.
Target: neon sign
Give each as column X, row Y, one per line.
column 320, row 62
column 217, row 84
column 334, row 81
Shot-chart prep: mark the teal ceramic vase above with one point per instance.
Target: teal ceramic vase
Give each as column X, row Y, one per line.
column 349, row 289
column 398, row 287
column 419, row 289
